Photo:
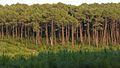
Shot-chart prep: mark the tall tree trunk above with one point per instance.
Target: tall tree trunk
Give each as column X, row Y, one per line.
column 77, row 35
column 68, row 34
column 72, row 36
column 46, row 32
column 25, row 31
column 117, row 34
column 63, row 39
column 7, row 30
column 81, row 34
column 21, row 35
column 13, row 31
column 59, row 33
column 38, row 40
column 52, row 33
column 2, row 31
column 113, row 33
column 96, row 34
column 66, row 31
column 16, row 31
column 100, row 37
column 94, row 37
column 28, row 33
column 104, row 33
column 55, row 42
column 88, row 32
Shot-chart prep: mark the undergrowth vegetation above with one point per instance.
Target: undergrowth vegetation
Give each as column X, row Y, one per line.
column 26, row 54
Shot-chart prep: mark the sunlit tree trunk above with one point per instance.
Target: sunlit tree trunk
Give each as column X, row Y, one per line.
column 52, row 33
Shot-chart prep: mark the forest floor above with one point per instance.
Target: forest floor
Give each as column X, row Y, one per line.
column 25, row 54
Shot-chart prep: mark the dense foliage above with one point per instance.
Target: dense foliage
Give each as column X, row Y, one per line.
column 92, row 24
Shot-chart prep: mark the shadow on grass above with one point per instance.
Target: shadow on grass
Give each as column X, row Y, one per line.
column 64, row 59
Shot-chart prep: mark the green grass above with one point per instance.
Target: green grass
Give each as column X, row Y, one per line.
column 16, row 53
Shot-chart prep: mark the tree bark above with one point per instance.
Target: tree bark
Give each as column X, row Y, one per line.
column 104, row 33
column 88, row 32
column 81, row 34
column 72, row 36
column 21, row 35
column 38, row 40
column 7, row 30
column 66, row 31
column 68, row 34
column 52, row 33
column 46, row 32
column 16, row 31
column 2, row 31
column 25, row 31
column 63, row 38
column 13, row 31
column 96, row 34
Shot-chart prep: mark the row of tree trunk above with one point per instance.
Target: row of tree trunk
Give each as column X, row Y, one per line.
column 83, row 33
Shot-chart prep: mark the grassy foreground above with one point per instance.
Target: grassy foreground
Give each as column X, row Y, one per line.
column 25, row 54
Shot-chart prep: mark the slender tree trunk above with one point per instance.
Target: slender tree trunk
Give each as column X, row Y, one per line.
column 59, row 35
column 52, row 33
column 38, row 40
column 81, row 34
column 13, row 31
column 100, row 37
column 21, row 35
column 28, row 33
column 72, row 36
column 63, row 39
column 16, row 31
column 77, row 37
column 104, row 35
column 46, row 32
column 113, row 33
column 88, row 32
column 94, row 37
column 66, row 31
column 117, row 34
column 7, row 30
column 55, row 42
column 96, row 33
column 25, row 31
column 68, row 34
column 2, row 31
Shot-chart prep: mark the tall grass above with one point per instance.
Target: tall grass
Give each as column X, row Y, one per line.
column 17, row 53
